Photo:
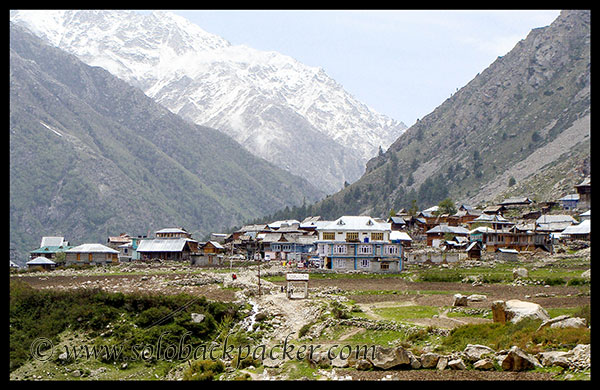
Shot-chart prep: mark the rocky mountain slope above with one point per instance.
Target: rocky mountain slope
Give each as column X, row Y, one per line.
column 92, row 156
column 527, row 117
column 279, row 109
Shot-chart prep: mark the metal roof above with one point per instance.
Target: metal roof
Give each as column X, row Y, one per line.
column 40, row 261
column 356, row 223
column 89, row 248
column 160, row 245
column 584, row 227
column 171, row 230
column 448, row 229
column 53, row 241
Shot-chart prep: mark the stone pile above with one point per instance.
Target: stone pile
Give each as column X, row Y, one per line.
column 479, row 357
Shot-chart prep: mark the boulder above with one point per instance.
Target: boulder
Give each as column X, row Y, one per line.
column 386, row 358
column 197, row 318
column 553, row 358
column 457, row 364
column 359, row 364
column 429, row 360
column 520, row 273
column 564, row 321
column 483, row 364
column 519, row 360
column 460, row 300
column 442, row 363
column 515, row 311
column 474, row 352
column 476, row 298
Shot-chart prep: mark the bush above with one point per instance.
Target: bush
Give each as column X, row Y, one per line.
column 203, row 370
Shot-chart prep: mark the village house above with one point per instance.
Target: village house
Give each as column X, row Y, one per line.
column 443, row 232
column 397, row 223
column 116, row 241
column 41, row 263
column 463, row 216
column 170, row 244
column 519, row 237
column 91, row 254
column 211, row 253
column 584, row 190
column 49, row 247
column 515, row 202
column 581, row 231
column 569, row 202
column 358, row 243
column 287, row 246
column 554, row 223
column 178, row 249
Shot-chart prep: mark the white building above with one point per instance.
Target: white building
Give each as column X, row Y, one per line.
column 358, row 243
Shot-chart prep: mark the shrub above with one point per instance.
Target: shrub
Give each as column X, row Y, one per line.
column 203, row 370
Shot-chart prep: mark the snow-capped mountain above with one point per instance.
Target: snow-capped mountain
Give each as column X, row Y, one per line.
column 278, row 108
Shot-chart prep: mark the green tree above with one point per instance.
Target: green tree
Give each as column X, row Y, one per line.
column 446, row 206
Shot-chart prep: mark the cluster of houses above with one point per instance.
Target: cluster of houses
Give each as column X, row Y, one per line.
column 349, row 242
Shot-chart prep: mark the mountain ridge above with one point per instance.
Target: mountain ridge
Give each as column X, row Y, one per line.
column 90, row 156
column 534, row 101
column 228, row 88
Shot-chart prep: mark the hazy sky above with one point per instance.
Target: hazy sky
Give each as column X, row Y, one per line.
column 401, row 63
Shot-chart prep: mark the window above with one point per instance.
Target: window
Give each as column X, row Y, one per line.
column 385, row 265
column 391, row 250
column 364, row 249
column 328, row 236
column 365, row 263
column 90, row 257
column 339, row 249
column 376, row 236
column 340, row 263
column 351, row 236
column 79, row 257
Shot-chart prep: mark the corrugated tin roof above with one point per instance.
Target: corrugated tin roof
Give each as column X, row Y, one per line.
column 89, row 248
column 448, row 229
column 548, row 218
column 171, row 230
column 52, row 241
column 160, row 245
column 584, row 227
column 40, row 261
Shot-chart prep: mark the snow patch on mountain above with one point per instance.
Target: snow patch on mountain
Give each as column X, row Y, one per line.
column 289, row 113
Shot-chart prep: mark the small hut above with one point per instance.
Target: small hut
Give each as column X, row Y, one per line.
column 474, row 250
column 506, row 254
column 41, row 262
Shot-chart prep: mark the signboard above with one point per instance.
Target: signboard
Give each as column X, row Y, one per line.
column 299, row 277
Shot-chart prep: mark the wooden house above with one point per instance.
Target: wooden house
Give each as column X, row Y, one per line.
column 516, row 202
column 440, row 233
column 474, row 250
column 178, row 249
column 584, row 190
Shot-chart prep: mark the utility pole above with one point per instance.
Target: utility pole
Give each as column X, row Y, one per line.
column 259, row 292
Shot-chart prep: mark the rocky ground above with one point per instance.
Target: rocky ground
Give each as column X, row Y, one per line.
column 288, row 316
